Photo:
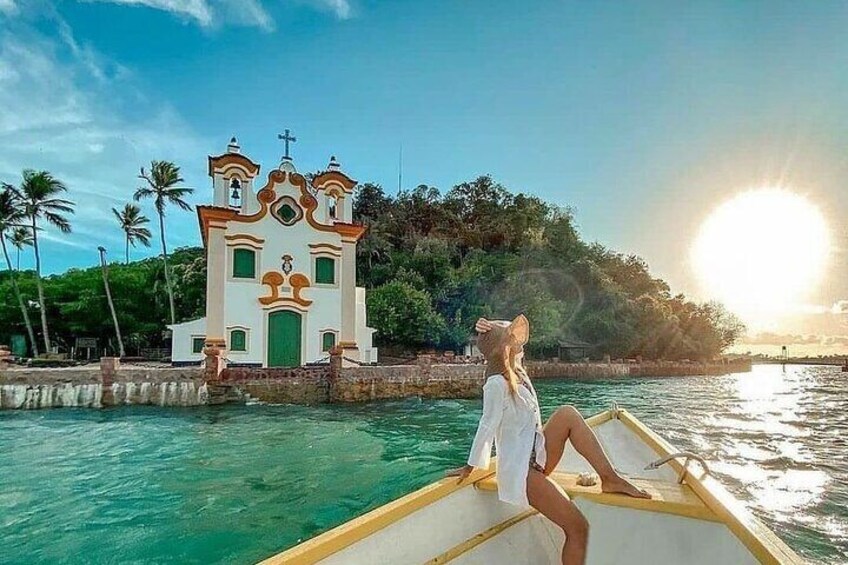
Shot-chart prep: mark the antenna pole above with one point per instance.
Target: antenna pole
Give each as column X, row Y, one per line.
column 400, row 167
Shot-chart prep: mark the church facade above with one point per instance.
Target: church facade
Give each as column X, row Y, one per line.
column 281, row 268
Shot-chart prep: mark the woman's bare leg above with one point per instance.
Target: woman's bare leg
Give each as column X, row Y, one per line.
column 545, row 496
column 568, row 424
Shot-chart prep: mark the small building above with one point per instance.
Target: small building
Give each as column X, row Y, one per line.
column 573, row 349
column 281, row 268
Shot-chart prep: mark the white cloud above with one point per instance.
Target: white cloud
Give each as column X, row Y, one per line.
column 250, row 13
column 8, row 7
column 341, row 8
column 197, row 10
column 209, row 13
column 62, row 109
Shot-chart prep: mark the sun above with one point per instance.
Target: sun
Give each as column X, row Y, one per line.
column 762, row 253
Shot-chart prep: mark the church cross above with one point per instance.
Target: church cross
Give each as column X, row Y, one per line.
column 287, row 137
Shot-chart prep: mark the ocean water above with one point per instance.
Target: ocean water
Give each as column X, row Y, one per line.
column 236, row 484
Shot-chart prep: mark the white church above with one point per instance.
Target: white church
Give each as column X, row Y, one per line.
column 281, row 258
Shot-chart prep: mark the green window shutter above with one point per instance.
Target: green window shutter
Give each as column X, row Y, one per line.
column 238, row 340
column 244, row 264
column 325, row 270
column 328, row 341
column 197, row 344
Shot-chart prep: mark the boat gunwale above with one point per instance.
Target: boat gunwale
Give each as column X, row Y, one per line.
column 354, row 530
column 763, row 544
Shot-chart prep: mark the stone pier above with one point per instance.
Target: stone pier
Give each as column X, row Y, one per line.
column 111, row 383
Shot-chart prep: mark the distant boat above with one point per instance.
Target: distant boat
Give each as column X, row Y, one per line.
column 845, row 366
column 690, row 519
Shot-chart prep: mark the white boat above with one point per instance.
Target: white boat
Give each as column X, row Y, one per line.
column 691, row 518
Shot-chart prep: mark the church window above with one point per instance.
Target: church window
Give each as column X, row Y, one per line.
column 287, row 211
column 325, row 270
column 238, row 340
column 328, row 341
column 197, row 344
column 244, row 264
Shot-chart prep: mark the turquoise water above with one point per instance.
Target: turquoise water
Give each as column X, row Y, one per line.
column 236, row 484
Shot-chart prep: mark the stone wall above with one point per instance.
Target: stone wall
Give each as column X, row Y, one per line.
column 543, row 370
column 357, row 384
column 113, row 384
column 302, row 385
column 92, row 374
column 108, row 384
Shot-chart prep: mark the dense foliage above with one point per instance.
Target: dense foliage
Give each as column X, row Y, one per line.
column 77, row 307
column 433, row 263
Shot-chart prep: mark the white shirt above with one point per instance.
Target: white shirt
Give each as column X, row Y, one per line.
column 515, row 425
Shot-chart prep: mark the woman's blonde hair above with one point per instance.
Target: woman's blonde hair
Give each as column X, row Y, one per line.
column 500, row 346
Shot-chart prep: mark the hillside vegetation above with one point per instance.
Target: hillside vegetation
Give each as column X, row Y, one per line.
column 433, row 263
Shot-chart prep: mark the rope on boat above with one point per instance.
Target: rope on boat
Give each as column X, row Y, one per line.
column 615, row 410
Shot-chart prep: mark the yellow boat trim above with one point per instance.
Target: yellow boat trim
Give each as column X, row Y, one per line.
column 716, row 504
column 765, row 546
column 666, row 498
column 599, row 418
column 347, row 534
column 483, row 536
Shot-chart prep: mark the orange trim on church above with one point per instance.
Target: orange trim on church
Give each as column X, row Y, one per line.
column 236, row 236
column 265, row 196
column 335, row 177
column 328, row 245
column 274, row 280
column 221, row 161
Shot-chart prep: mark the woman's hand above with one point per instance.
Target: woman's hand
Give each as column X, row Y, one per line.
column 462, row 472
column 483, row 325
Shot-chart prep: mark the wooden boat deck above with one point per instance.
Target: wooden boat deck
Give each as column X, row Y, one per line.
column 668, row 498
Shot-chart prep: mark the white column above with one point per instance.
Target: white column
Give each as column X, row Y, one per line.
column 216, row 279
column 348, row 287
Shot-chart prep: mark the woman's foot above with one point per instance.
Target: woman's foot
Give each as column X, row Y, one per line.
column 620, row 485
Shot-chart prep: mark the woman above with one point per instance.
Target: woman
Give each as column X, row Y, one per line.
column 527, row 451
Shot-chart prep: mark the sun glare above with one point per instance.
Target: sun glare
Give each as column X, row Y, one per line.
column 762, row 253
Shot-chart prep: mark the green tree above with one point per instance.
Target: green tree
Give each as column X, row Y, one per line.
column 162, row 181
column 38, row 192
column 20, row 237
column 132, row 223
column 11, row 214
column 406, row 315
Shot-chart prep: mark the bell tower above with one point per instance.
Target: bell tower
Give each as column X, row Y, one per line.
column 232, row 179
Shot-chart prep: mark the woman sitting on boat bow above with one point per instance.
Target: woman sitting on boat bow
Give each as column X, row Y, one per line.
column 527, row 451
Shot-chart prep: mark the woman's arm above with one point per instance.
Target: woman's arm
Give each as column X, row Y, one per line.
column 493, row 397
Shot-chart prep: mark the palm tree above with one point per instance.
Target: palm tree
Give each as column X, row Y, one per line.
column 38, row 194
column 132, row 223
column 161, row 186
column 20, row 237
column 105, row 271
column 10, row 216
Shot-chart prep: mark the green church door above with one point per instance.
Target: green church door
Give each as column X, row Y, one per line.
column 284, row 334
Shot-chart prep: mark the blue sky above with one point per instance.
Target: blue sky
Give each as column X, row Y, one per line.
column 643, row 116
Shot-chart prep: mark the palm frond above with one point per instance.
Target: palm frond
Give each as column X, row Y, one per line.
column 20, row 237
column 58, row 221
